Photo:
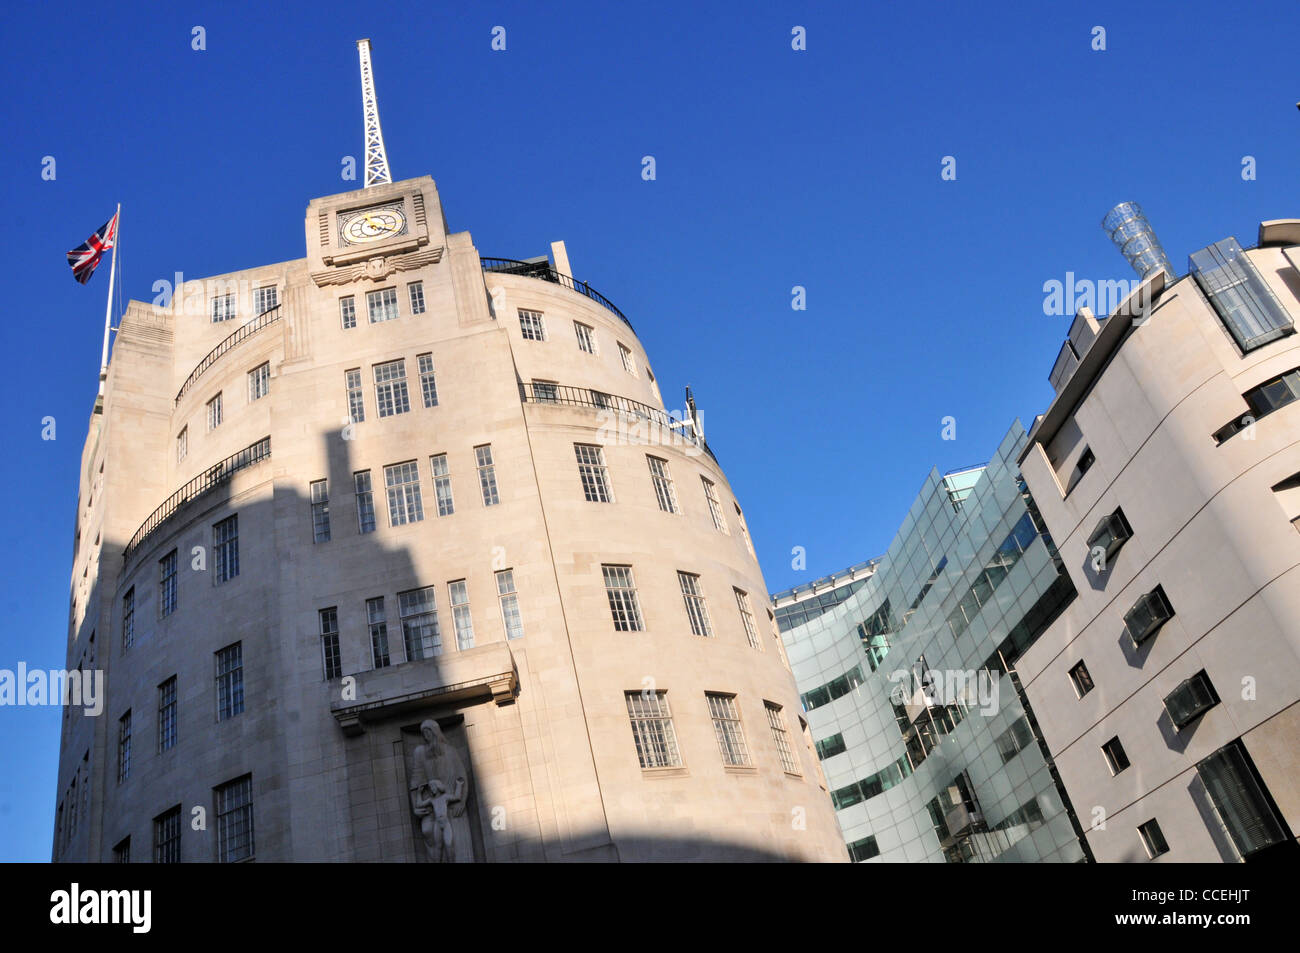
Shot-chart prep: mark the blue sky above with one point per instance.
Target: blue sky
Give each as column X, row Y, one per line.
column 775, row 168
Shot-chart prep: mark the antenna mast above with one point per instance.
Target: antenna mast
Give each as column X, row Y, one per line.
column 376, row 157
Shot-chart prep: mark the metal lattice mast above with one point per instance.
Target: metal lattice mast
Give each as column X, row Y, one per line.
column 376, row 157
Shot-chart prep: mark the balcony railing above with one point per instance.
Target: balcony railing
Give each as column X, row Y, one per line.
column 267, row 317
column 671, row 430
column 543, row 271
column 209, row 479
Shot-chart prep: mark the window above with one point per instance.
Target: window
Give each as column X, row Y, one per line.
column 167, row 714
column 182, row 444
column 214, row 413
column 586, row 337
column 665, row 492
column 726, row 726
column 167, row 837
column 487, row 475
column 781, row 735
column 428, row 385
column 546, row 392
column 225, row 549
column 460, row 614
column 420, row 631
column 234, row 803
column 264, row 299
column 122, row 851
column 123, row 749
column 715, row 508
column 531, row 326
column 1148, row 614
column 402, row 481
column 693, row 597
column 356, row 402
column 1116, row 759
column 230, row 681
column 621, row 593
column 1152, row 839
column 863, row 849
column 128, row 619
column 1241, row 298
column 744, row 530
column 1086, row 460
column 1081, row 680
column 652, row 729
column 591, row 469
column 1111, row 533
column 747, row 618
column 320, row 511
column 830, row 747
column 329, row 642
column 1190, row 700
column 1263, row 400
column 167, row 584
column 510, row 616
column 348, row 311
column 390, row 388
column 442, row 484
column 1241, row 800
column 259, row 382
column 381, row 305
column 223, row 308
column 377, row 619
column 365, row 501
column 625, row 354
column 416, row 291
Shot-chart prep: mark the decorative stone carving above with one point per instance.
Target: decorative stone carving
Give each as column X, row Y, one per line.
column 439, row 788
column 377, row 268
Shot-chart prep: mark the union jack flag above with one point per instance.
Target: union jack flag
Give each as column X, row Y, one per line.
column 85, row 257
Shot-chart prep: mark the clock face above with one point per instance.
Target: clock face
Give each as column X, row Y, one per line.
column 372, row 224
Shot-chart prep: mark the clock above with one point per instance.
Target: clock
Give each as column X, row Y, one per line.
column 367, row 225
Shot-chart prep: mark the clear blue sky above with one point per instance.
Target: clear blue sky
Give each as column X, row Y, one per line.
column 775, row 168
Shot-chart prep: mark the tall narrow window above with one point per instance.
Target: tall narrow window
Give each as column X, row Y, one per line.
column 182, row 444
column 696, row 610
column 487, row 475
column 744, row 531
column 620, row 589
column 348, row 311
column 234, row 810
column 665, row 492
column 781, row 737
column 390, row 388
column 715, row 508
column 442, row 484
column 625, row 353
column 123, row 749
column 264, row 299
column 167, row 714
column 329, row 642
column 381, row 305
column 428, row 385
column 128, row 619
column 460, row 614
column 586, row 337
column 167, row 584
column 591, row 469
column 747, row 619
column 510, row 616
column 122, row 851
column 531, row 325
column 1242, row 299
column 167, row 837
column 356, row 400
column 1241, row 800
column 365, row 501
column 259, row 382
column 225, row 549
column 416, row 291
column 652, row 729
column 421, row 633
column 230, row 681
column 223, row 308
column 726, row 726
column 214, row 413
column 377, row 619
column 1153, row 840
column 1081, row 679
column 402, row 480
column 1116, row 758
column 320, row 511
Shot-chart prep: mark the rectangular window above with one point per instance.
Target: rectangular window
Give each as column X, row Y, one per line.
column 428, row 385
column 377, row 619
column 416, row 291
column 381, row 305
column 1263, row 400
column 167, row 714
column 259, row 382
column 214, row 413
column 167, row 837
column 122, row 851
column 123, row 749
column 320, row 511
column 510, row 615
column 128, row 619
column 531, row 326
column 830, row 747
column 665, row 492
column 652, row 729
column 1152, row 839
column 1116, row 759
column 442, row 484
column 1239, row 295
column 230, row 681
column 715, row 508
column 726, row 726
column 696, row 610
column 460, row 614
column 744, row 531
column 747, row 618
column 264, row 299
column 356, row 402
column 390, row 388
column 348, row 311
column 620, row 589
column 1147, row 615
column 586, row 337
column 863, row 849
column 329, row 642
column 781, row 736
column 1241, row 800
column 365, row 501
column 182, row 444
column 546, row 392
column 1111, row 533
column 591, row 469
column 225, row 549
column 402, row 480
column 1081, row 680
column 234, row 804
column 487, row 475
column 167, row 584
column 625, row 354
column 421, row 634
column 1190, row 700
column 223, row 308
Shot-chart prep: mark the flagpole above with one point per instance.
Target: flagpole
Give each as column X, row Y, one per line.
column 108, row 308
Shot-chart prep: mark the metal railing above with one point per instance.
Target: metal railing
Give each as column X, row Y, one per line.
column 267, row 317
column 209, row 479
column 684, row 430
column 543, row 271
